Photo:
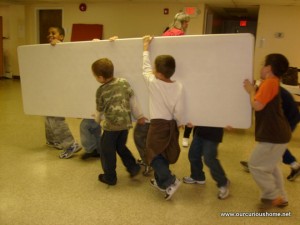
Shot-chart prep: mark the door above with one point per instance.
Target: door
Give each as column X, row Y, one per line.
column 48, row 18
column 1, row 49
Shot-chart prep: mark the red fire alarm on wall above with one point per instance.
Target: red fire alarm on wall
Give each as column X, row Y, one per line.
column 82, row 7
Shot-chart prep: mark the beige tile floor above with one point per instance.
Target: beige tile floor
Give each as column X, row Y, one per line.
column 36, row 187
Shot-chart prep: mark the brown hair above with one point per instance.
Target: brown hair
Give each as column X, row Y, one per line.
column 103, row 67
column 165, row 64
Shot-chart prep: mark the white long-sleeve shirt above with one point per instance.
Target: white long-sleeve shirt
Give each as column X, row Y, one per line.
column 165, row 99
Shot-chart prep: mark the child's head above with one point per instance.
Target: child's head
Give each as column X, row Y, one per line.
column 181, row 21
column 56, row 33
column 165, row 64
column 103, row 69
column 278, row 63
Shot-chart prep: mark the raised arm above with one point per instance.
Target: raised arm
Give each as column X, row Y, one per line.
column 147, row 69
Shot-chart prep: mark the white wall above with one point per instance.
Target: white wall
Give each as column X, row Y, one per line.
column 273, row 19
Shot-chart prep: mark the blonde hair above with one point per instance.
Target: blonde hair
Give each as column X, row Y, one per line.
column 179, row 19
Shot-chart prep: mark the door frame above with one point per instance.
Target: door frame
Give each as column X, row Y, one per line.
column 37, row 20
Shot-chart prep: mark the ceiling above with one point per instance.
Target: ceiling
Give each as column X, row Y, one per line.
column 229, row 9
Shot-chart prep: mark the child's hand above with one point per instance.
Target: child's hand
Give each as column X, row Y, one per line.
column 190, row 125
column 142, row 120
column 147, row 40
column 248, row 86
column 54, row 42
column 113, row 38
column 229, row 128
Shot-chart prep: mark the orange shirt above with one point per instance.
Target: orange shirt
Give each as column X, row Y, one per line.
column 268, row 89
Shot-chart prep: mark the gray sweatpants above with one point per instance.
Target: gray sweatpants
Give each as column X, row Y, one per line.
column 264, row 167
column 57, row 131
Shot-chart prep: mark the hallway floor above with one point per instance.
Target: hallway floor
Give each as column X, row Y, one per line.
column 38, row 188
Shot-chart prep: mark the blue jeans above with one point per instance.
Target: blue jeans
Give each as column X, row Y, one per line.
column 209, row 150
column 162, row 173
column 90, row 135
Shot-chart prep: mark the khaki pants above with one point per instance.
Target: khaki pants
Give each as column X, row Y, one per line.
column 264, row 167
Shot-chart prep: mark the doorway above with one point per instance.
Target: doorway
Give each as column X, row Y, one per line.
column 46, row 19
column 1, row 49
column 223, row 20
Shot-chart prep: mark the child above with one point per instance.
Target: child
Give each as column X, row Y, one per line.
column 178, row 28
column 58, row 134
column 272, row 132
column 115, row 101
column 291, row 112
column 166, row 108
column 205, row 144
column 90, row 131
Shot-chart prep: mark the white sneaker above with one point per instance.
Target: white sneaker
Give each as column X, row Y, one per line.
column 154, row 184
column 185, row 142
column 170, row 191
column 68, row 153
column 189, row 180
column 224, row 191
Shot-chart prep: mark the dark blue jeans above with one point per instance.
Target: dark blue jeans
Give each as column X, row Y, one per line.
column 162, row 173
column 287, row 157
column 113, row 142
column 201, row 147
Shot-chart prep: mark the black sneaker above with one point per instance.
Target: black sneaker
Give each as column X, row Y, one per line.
column 103, row 179
column 294, row 174
column 245, row 166
column 135, row 170
column 93, row 154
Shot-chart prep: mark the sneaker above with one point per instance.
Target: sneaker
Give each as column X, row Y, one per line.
column 54, row 145
column 135, row 170
column 147, row 171
column 154, row 184
column 93, row 154
column 185, row 142
column 141, row 162
column 294, row 174
column 70, row 151
column 170, row 191
column 224, row 191
column 103, row 179
column 245, row 166
column 277, row 202
column 189, row 180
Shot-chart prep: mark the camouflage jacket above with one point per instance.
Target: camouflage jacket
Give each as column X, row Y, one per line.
column 113, row 102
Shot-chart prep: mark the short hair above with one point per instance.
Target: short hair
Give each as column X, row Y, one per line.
column 103, row 67
column 165, row 64
column 179, row 19
column 278, row 62
column 60, row 29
